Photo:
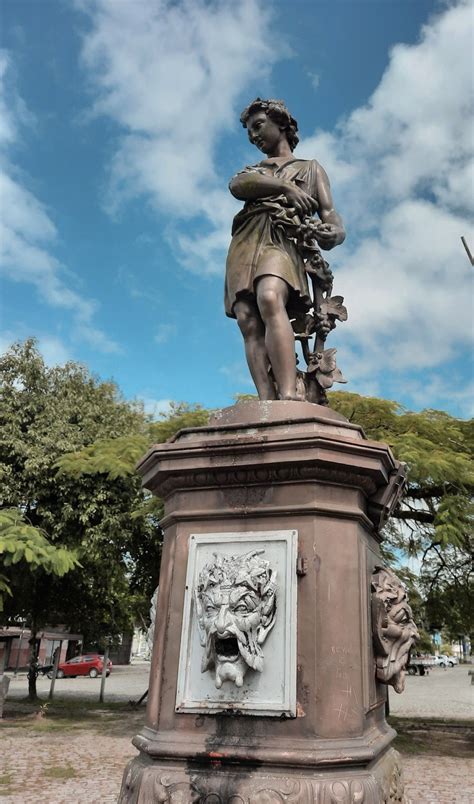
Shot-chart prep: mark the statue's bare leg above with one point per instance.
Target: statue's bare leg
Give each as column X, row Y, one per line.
column 272, row 298
column 253, row 331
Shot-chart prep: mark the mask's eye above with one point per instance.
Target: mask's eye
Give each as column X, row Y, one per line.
column 241, row 609
column 210, row 609
column 401, row 617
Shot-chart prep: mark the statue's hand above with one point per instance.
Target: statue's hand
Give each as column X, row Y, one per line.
column 329, row 235
column 303, row 203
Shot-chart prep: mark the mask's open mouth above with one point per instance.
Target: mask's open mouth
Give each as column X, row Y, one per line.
column 227, row 649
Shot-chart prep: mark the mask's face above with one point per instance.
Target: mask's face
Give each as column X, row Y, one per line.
column 394, row 631
column 236, row 605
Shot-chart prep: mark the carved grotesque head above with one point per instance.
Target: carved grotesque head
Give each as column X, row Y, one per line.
column 393, row 629
column 236, row 605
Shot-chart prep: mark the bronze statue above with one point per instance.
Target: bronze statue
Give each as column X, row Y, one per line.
column 275, row 245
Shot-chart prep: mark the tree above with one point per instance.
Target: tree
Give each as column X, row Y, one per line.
column 46, row 413
column 117, row 457
column 27, row 550
column 433, row 524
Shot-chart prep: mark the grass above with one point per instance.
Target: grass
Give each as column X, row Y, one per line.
column 6, row 783
column 66, row 715
column 439, row 737
column 60, row 772
column 415, row 736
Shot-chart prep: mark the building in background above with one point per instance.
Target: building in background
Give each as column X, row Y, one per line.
column 15, row 648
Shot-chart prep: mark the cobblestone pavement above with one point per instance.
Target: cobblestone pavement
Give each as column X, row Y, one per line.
column 441, row 694
column 438, row 780
column 86, row 767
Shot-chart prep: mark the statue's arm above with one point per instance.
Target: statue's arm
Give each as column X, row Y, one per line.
column 331, row 233
column 250, row 185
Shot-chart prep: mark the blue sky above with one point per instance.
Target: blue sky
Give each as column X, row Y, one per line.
column 119, row 131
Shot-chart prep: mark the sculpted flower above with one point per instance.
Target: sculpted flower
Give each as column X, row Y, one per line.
column 323, row 365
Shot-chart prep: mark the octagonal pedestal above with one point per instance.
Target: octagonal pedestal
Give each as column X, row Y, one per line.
column 271, row 468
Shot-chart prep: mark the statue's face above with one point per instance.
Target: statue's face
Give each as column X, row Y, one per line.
column 236, row 604
column 264, row 132
column 394, row 631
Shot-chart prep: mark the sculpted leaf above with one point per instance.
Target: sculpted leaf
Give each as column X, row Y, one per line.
column 337, row 376
column 334, row 307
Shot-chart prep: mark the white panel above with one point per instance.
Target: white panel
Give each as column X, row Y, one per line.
column 272, row 691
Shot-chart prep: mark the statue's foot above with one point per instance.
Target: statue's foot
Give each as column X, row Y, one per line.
column 292, row 397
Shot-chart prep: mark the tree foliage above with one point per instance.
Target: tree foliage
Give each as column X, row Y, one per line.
column 46, row 413
column 434, row 522
column 20, row 542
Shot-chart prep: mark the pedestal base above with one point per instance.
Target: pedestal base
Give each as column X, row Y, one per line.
column 147, row 781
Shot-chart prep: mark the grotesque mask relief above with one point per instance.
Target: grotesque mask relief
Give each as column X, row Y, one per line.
column 393, row 629
column 236, row 607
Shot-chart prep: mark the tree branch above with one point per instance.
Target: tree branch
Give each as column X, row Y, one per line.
column 424, row 517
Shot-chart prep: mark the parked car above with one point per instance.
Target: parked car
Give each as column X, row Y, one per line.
column 82, row 666
column 445, row 661
column 420, row 663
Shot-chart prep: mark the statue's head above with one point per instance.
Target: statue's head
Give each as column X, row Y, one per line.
column 236, row 606
column 276, row 111
column 393, row 629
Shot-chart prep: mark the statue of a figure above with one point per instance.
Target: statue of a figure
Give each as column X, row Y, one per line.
column 274, row 246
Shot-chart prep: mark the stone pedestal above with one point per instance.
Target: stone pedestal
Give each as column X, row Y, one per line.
column 271, row 468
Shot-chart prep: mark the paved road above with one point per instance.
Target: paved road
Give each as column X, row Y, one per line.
column 443, row 693
column 124, row 683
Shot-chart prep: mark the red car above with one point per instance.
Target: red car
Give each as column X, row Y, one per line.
column 82, row 666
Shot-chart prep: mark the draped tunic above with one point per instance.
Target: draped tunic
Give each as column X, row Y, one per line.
column 260, row 247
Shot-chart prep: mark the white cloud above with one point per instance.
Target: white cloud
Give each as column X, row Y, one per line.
column 169, row 74
column 155, row 407
column 238, row 376
column 27, row 233
column 315, row 79
column 165, row 332
column 456, row 392
column 401, row 170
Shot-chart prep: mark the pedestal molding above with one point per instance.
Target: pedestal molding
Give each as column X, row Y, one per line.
column 312, row 753
column 146, row 782
column 333, row 511
column 337, row 447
